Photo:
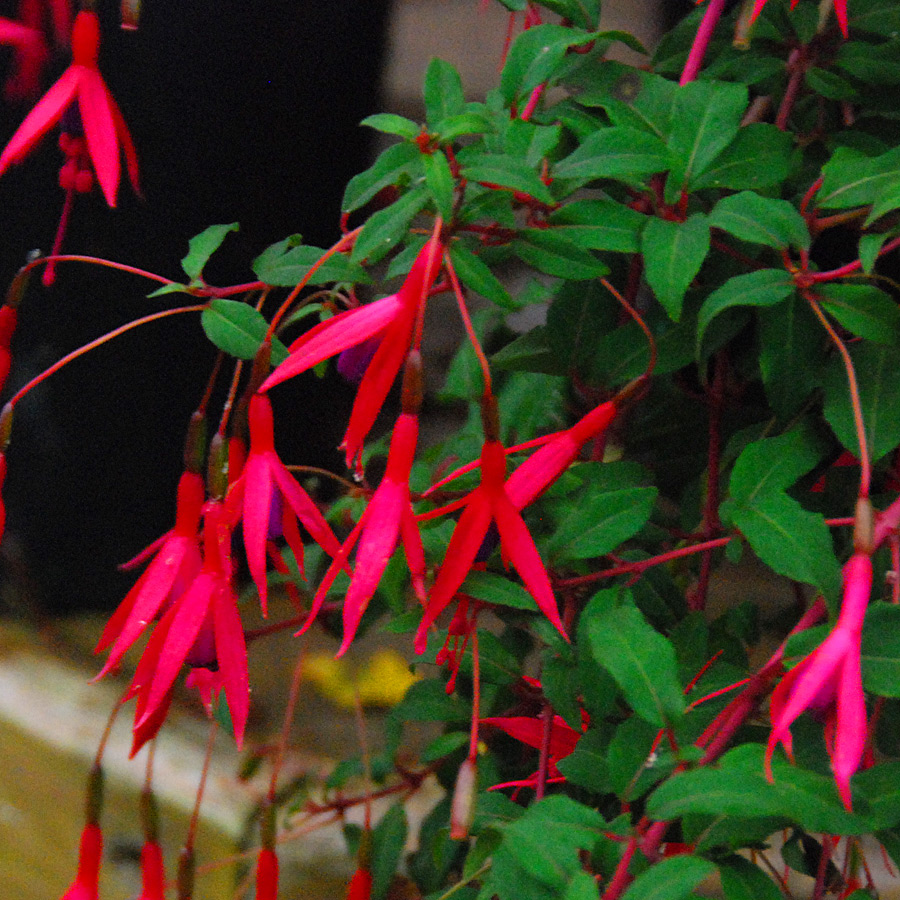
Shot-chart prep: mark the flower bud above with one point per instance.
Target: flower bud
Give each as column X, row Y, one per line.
column 413, row 379
column 864, row 527
column 186, row 870
column 462, row 806
column 195, row 443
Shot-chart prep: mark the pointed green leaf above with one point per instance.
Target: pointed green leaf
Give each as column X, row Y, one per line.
column 760, row 156
column 390, row 123
column 508, row 172
column 534, row 56
column 600, row 225
column 548, row 251
column 761, row 220
column 641, row 661
column 742, row 880
column 476, row 275
column 386, row 228
column 286, row 263
column 388, row 841
column 202, row 246
column 765, row 287
column 239, row 329
column 670, row 879
column 621, row 152
column 864, row 311
column 440, row 182
column 706, row 116
column 398, row 162
column 443, row 92
column 850, row 178
column 881, row 651
column 673, row 255
column 879, row 393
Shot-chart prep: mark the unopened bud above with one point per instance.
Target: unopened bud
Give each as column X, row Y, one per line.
column 462, row 806
column 149, row 816
column 17, row 288
column 262, row 363
column 864, row 527
column 413, row 384
column 130, row 14
column 195, row 443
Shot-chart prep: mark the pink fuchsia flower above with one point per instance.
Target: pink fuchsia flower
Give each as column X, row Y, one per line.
column 268, row 500
column 530, row 731
column 828, row 683
column 201, row 628
column 105, row 131
column 267, row 875
column 489, row 503
column 387, row 518
column 392, row 320
column 175, row 564
column 153, row 873
column 545, row 465
column 90, row 854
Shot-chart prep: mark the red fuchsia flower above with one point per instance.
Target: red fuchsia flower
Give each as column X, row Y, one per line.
column 176, row 563
column 153, row 873
column 267, row 875
column 269, row 502
column 360, row 886
column 30, row 56
column 105, row 131
column 387, row 518
column 530, row 731
column 828, row 683
column 90, row 854
column 202, row 628
column 489, row 503
column 392, row 320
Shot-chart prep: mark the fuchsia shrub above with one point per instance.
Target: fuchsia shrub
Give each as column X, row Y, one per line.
column 700, row 383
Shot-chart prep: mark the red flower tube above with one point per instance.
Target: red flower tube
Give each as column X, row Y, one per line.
column 90, row 854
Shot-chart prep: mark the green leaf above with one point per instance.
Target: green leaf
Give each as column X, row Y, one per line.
column 286, row 264
column 600, row 225
column 790, row 540
column 395, row 164
column 673, row 255
column 202, row 246
column 559, row 681
column 443, row 92
column 582, row 887
column 239, row 329
column 789, row 356
column 548, row 251
column 670, row 879
column 476, row 275
column 879, row 393
column 534, row 56
column 541, row 848
column 386, row 228
column 621, row 152
column 764, row 287
column 602, row 521
column 759, row 157
column 498, row 590
column 389, row 123
column 440, row 182
column 508, row 172
column 772, row 465
column 881, row 651
column 641, row 661
column 887, row 199
column 706, row 116
column 452, row 127
column 388, row 840
column 761, row 220
column 586, row 766
column 864, row 311
column 850, row 178
column 869, row 247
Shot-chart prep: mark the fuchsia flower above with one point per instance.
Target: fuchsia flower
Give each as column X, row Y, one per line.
column 30, row 56
column 489, row 502
column 530, row 730
column 392, row 320
column 153, row 873
column 175, row 565
column 840, row 10
column 828, row 683
column 104, row 127
column 90, row 854
column 387, row 518
column 267, row 491
column 201, row 628
column 267, row 875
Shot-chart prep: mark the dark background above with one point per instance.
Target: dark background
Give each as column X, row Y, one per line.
column 241, row 111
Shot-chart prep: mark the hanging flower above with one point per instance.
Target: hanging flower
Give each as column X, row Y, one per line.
column 392, row 320
column 828, row 683
column 97, row 113
column 175, row 565
column 202, row 628
column 90, row 854
column 840, row 10
column 387, row 518
column 153, row 873
column 268, row 501
column 267, row 875
column 489, row 503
